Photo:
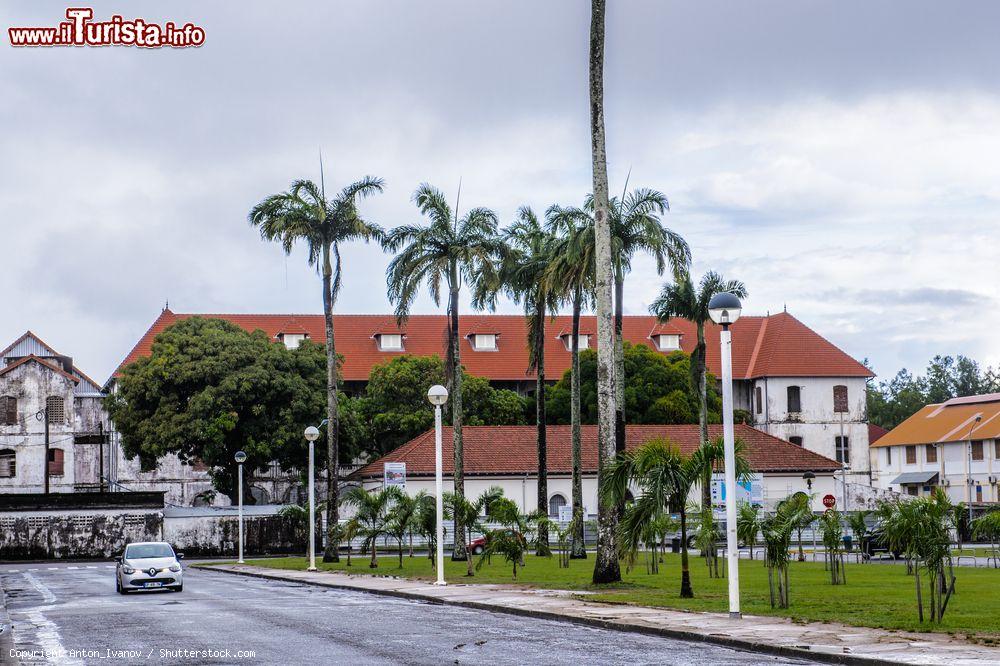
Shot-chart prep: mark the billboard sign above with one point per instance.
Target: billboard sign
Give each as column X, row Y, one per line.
column 751, row 490
column 394, row 474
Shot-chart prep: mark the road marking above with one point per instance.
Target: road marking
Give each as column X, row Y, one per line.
column 91, row 567
column 13, row 571
column 32, row 569
column 48, row 637
column 109, row 566
column 40, row 588
column 53, row 568
column 72, row 567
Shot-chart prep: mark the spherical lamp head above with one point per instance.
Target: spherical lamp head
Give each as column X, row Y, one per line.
column 311, row 433
column 438, row 395
column 241, row 457
column 724, row 308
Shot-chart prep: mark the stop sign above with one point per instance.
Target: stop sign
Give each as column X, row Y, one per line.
column 829, row 501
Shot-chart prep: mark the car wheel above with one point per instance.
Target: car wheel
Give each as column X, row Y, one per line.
column 118, row 586
column 478, row 550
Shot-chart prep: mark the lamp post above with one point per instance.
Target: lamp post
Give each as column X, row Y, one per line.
column 724, row 309
column 808, row 477
column 438, row 395
column 240, row 459
column 312, row 434
column 969, row 481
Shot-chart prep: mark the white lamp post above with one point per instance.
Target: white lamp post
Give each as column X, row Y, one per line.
column 724, row 309
column 438, row 395
column 240, row 459
column 312, row 434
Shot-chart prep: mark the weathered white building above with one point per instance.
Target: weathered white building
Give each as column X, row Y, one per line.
column 953, row 445
column 52, row 422
column 506, row 456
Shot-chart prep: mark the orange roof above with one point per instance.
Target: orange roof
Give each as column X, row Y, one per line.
column 505, row 450
column 778, row 345
column 951, row 421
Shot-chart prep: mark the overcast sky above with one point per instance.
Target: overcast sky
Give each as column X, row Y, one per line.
column 842, row 158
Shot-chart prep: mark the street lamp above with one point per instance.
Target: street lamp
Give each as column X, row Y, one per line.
column 240, row 459
column 438, row 395
column 312, row 434
column 969, row 480
column 724, row 309
column 808, row 478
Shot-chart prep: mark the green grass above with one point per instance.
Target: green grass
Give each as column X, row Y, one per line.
column 876, row 595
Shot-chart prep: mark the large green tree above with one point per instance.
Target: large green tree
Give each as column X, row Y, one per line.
column 305, row 215
column 448, row 253
column 209, row 389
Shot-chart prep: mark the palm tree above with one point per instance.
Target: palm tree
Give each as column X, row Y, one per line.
column 303, row 213
column 374, row 514
column 467, row 514
column 777, row 532
column 524, row 278
column 571, row 270
column 448, row 253
column 404, row 516
column 748, row 523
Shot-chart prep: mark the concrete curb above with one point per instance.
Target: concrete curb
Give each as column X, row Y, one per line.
column 6, row 633
column 694, row 637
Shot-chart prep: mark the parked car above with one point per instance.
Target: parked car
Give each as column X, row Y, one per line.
column 875, row 542
column 149, row 565
column 477, row 546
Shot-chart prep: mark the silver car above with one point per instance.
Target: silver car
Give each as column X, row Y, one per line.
column 149, row 565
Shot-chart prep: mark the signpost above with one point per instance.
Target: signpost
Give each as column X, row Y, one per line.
column 394, row 474
column 565, row 514
column 829, row 501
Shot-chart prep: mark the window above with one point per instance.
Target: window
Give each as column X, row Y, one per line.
column 977, row 450
column 760, row 399
column 555, row 502
column 390, row 342
column 912, row 490
column 54, row 405
column 8, row 410
column 668, row 342
column 8, row 464
column 794, row 399
column 931, row 452
column 911, row 455
column 796, row 440
column 55, row 462
column 293, row 340
column 996, row 449
column 487, row 342
column 979, row 493
column 888, row 455
column 843, row 446
column 840, row 398
column 583, row 344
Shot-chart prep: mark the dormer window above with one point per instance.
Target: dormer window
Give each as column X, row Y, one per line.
column 583, row 344
column 668, row 342
column 484, row 341
column 390, row 341
column 292, row 340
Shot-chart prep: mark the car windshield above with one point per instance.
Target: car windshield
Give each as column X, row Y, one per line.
column 147, row 550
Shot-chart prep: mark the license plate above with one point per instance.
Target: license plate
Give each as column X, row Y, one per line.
column 153, row 585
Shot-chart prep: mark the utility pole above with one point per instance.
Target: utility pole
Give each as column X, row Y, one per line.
column 100, row 450
column 45, row 412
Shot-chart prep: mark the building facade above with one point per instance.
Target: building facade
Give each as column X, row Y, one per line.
column 953, row 445
column 52, row 422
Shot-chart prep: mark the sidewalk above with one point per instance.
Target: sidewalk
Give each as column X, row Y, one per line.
column 834, row 643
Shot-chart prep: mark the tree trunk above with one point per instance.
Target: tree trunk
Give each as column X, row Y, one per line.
column 578, row 550
column 686, row 591
column 468, row 555
column 331, row 553
column 619, row 371
column 606, row 567
column 770, row 583
column 374, row 563
column 458, row 553
column 920, row 600
column 542, row 543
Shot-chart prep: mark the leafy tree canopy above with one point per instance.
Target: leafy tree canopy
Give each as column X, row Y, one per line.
column 657, row 389
column 210, row 389
column 393, row 409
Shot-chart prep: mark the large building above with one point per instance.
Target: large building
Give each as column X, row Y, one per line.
column 52, row 422
column 506, row 456
column 954, row 445
column 795, row 384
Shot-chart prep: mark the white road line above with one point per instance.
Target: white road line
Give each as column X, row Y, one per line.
column 72, row 567
column 49, row 639
column 32, row 569
column 13, row 571
column 91, row 566
column 53, row 568
column 109, row 566
column 40, row 588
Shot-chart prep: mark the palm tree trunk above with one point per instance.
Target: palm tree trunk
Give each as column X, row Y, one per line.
column 374, row 563
column 578, row 550
column 542, row 543
column 455, row 363
column 331, row 553
column 606, row 567
column 619, row 370
column 686, row 591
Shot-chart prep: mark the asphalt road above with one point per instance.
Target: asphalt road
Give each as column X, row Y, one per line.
column 70, row 614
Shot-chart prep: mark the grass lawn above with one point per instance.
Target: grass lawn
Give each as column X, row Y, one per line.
column 876, row 595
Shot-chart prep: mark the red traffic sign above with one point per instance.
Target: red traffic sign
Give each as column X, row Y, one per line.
column 829, row 501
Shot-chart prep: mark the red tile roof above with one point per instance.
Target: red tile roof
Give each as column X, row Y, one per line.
column 875, row 433
column 505, row 450
column 776, row 346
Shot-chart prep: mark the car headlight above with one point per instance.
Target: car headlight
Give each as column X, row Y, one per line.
column 174, row 568
column 128, row 570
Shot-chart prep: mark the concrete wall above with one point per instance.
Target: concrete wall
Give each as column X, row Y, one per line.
column 219, row 535
column 90, row 533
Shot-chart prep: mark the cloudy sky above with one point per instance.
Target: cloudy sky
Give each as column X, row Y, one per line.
column 843, row 159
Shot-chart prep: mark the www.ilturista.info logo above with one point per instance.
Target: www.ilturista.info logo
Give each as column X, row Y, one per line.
column 80, row 30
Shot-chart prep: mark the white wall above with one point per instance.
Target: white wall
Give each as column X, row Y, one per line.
column 953, row 469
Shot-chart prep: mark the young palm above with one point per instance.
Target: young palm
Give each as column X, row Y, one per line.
column 467, row 514
column 524, row 279
column 373, row 514
column 705, row 460
column 448, row 253
column 304, row 213
column 571, row 274
column 404, row 516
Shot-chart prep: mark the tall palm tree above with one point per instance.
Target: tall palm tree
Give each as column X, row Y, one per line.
column 524, row 278
column 636, row 227
column 304, row 213
column 571, row 272
column 606, row 568
column 373, row 514
column 681, row 298
column 448, row 253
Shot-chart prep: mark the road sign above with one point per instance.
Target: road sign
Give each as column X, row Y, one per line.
column 829, row 501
